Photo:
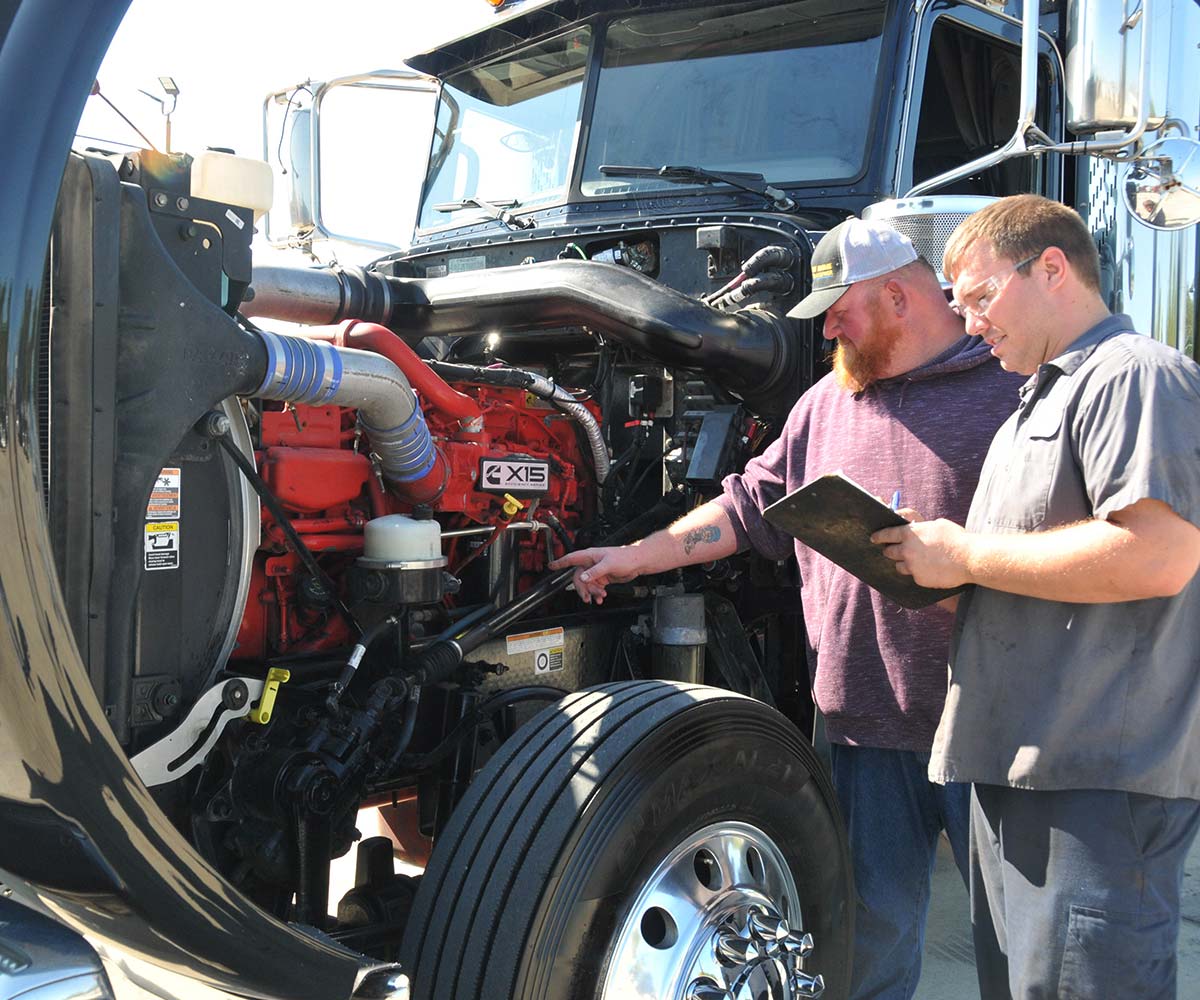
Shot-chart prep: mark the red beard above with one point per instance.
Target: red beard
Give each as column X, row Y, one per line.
column 855, row 368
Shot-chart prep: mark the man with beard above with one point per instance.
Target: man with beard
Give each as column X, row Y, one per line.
column 911, row 406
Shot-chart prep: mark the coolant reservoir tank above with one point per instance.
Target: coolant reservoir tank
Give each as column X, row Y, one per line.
column 232, row 180
column 397, row 538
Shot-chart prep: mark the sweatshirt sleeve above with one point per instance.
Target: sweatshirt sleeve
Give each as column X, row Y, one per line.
column 747, row 494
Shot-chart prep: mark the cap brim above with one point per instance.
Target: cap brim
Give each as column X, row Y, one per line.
column 817, row 302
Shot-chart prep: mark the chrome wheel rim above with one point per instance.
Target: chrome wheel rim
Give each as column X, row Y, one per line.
column 719, row 918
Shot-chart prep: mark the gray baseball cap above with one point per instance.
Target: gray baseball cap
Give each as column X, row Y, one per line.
column 854, row 250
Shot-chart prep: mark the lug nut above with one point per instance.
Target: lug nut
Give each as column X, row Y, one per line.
column 764, row 927
column 706, row 989
column 734, row 950
column 798, row 944
column 807, row 986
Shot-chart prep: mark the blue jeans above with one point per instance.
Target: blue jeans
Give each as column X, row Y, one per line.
column 1075, row 894
column 894, row 815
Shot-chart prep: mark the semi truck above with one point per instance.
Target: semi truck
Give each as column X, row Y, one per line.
column 279, row 537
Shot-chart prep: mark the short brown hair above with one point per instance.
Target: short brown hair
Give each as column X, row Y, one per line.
column 1023, row 226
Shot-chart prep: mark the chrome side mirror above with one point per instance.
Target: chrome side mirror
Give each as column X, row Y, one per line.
column 349, row 156
column 1162, row 188
column 300, row 199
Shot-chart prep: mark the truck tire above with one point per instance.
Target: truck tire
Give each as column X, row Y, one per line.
column 641, row 839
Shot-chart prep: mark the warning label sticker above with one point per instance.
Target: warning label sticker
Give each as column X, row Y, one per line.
column 526, row 642
column 162, row 545
column 546, row 646
column 164, row 496
column 546, row 661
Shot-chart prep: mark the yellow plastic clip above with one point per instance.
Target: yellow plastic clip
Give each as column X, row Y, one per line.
column 266, row 704
column 512, row 506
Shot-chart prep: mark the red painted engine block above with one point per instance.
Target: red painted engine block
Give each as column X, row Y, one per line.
column 317, row 463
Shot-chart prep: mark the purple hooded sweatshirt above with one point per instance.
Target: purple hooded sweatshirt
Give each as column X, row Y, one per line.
column 878, row 670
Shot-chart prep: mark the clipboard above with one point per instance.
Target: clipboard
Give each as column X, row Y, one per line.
column 836, row 517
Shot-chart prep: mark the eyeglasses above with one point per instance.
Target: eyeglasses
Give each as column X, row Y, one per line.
column 979, row 299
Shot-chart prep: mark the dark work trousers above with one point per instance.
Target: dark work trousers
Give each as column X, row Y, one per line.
column 1075, row 894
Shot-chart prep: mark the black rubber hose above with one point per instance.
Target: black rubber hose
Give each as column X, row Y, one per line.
column 513, row 378
column 772, row 257
column 557, row 527
column 752, row 353
column 467, row 725
column 407, row 727
column 779, row 282
column 355, row 658
column 465, row 622
column 438, row 662
column 768, row 257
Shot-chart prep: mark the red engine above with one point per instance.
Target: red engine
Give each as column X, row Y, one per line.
column 495, row 443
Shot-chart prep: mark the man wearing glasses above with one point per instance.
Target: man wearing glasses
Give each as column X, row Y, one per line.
column 909, row 408
column 1074, row 702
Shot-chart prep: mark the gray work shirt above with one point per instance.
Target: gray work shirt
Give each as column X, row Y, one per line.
column 1052, row 695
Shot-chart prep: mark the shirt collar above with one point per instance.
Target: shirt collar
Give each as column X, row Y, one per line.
column 1079, row 350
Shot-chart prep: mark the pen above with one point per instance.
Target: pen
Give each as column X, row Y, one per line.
column 896, row 500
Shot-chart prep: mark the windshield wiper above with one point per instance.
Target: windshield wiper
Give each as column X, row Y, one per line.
column 754, row 183
column 495, row 210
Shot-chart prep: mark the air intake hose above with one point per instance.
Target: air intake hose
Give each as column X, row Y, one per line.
column 752, row 352
column 307, row 371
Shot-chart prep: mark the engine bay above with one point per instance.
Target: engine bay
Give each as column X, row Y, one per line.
column 324, row 582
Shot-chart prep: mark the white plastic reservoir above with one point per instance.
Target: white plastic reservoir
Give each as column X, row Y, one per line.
column 233, row 180
column 396, row 538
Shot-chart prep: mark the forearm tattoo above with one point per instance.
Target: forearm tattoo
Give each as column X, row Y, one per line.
column 698, row 536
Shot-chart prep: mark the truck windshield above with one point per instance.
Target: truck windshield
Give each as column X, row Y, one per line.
column 505, row 131
column 786, row 91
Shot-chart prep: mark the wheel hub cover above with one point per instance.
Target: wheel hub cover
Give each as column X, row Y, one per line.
column 714, row 922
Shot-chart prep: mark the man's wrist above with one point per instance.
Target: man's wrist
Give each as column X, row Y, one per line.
column 970, row 556
column 640, row 551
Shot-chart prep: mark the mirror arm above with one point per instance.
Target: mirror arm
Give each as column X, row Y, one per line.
column 1026, row 130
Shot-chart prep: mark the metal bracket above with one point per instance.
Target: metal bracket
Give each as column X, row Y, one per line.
column 185, row 748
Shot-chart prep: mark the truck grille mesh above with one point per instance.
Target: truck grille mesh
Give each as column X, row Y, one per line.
column 929, row 233
column 928, row 221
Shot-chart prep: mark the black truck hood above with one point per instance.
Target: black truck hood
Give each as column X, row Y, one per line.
column 79, row 833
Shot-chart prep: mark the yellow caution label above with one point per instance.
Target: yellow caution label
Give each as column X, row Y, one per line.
column 161, row 545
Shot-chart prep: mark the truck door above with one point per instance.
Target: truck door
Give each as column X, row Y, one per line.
column 963, row 99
